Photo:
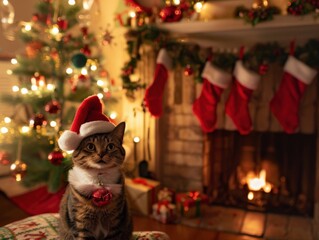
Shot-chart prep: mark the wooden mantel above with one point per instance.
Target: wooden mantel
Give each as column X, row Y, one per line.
column 232, row 32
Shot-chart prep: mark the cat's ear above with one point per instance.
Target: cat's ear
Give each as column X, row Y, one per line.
column 118, row 131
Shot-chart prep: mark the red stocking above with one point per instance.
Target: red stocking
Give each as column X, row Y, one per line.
column 237, row 104
column 204, row 107
column 285, row 103
column 154, row 93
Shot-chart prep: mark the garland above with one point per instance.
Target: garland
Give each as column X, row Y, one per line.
column 192, row 57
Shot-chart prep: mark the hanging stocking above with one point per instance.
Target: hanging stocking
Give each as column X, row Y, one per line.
column 245, row 82
column 154, row 93
column 204, row 107
column 285, row 103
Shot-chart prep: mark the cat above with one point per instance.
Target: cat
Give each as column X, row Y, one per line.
column 97, row 170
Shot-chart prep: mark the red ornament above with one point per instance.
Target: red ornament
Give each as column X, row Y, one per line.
column 171, row 14
column 52, row 107
column 188, row 71
column 39, row 120
column 62, row 23
column 56, row 157
column 35, row 17
column 4, row 158
column 67, row 38
column 101, row 197
column 86, row 50
column 263, row 68
column 85, row 31
column 82, row 78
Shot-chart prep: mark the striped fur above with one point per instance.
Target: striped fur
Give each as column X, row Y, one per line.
column 93, row 166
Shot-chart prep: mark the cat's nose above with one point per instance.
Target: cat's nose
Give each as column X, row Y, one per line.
column 101, row 155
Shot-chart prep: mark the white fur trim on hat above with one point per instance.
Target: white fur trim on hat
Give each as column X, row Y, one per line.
column 246, row 77
column 300, row 70
column 216, row 76
column 164, row 58
column 70, row 140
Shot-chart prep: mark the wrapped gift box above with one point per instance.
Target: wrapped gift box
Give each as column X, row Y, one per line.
column 166, row 194
column 164, row 211
column 191, row 204
column 141, row 194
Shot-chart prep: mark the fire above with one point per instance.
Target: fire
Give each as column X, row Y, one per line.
column 257, row 183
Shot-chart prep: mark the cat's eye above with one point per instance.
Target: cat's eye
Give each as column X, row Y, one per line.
column 110, row 147
column 90, row 147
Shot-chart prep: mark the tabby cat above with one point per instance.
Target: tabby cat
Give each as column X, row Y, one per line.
column 94, row 205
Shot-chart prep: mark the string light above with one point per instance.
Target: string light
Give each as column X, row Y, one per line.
column 25, row 129
column 113, row 115
column 14, row 61
column 15, row 89
column 24, row 91
column 5, row 2
column 136, row 139
column 69, row 70
column 100, row 95
column 53, row 124
column 84, row 71
column 132, row 14
column 50, row 87
column 71, row 2
column 198, row 7
column 177, row 2
column 9, row 72
column 4, row 130
column 100, row 83
column 93, row 68
column 55, row 30
column 34, row 88
column 7, row 120
column 28, row 27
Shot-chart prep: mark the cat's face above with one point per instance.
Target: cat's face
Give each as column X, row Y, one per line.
column 101, row 151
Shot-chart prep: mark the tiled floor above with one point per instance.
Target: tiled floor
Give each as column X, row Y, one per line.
column 255, row 224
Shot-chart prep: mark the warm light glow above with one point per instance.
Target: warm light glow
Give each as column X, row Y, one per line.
column 31, row 122
column 265, row 3
column 5, row 2
column 69, row 70
column 28, row 27
column 14, row 61
column 136, row 139
column 100, row 95
column 18, row 177
column 15, row 89
column 34, row 88
column 100, row 83
column 7, row 120
column 132, row 14
column 250, row 196
column 255, row 184
column 55, row 30
column 25, row 129
column 84, row 71
column 267, row 188
column 93, row 68
column 71, row 2
column 50, row 87
column 4, row 130
column 70, row 152
column 24, row 91
column 198, row 7
column 113, row 115
column 176, row 2
column 53, row 124
column 9, row 72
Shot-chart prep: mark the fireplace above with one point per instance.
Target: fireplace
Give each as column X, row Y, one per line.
column 224, row 163
column 263, row 171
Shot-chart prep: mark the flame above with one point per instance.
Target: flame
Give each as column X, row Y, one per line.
column 257, row 183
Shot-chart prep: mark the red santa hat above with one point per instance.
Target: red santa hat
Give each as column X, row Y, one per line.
column 89, row 119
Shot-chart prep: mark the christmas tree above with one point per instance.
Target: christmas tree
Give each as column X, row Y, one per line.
column 61, row 65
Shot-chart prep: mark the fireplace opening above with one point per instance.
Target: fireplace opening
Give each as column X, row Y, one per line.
column 262, row 171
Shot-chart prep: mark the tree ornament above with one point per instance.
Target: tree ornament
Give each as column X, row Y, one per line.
column 107, row 38
column 171, row 13
column 52, row 107
column 101, row 197
column 32, row 48
column 82, row 78
column 39, row 120
column 188, row 70
column 84, row 31
column 86, row 50
column 56, row 157
column 6, row 14
column 4, row 158
column 79, row 60
column 62, row 23
column 18, row 170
